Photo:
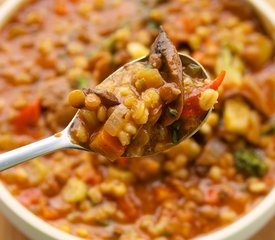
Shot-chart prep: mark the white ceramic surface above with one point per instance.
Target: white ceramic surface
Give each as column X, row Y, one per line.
column 37, row 229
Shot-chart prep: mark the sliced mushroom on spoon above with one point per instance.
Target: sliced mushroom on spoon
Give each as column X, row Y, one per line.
column 145, row 107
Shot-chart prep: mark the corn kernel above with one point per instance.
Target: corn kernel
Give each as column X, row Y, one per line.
column 124, row 138
column 80, row 62
column 257, row 187
column 102, row 113
column 208, row 98
column 45, row 46
column 130, row 128
column 228, row 215
column 82, row 232
column 137, row 50
column 65, row 228
column 75, row 48
column 95, row 195
column 215, row 173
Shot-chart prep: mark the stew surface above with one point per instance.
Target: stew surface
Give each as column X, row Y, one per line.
column 53, row 47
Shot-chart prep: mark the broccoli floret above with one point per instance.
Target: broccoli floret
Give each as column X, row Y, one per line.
column 250, row 163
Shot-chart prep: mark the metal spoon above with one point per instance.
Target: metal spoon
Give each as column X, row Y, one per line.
column 63, row 139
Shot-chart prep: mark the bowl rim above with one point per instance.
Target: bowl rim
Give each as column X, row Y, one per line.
column 12, row 207
column 245, row 226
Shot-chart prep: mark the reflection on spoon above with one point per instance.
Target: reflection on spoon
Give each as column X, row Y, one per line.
column 143, row 108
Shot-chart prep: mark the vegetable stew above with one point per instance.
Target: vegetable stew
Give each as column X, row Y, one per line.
column 53, row 47
column 140, row 109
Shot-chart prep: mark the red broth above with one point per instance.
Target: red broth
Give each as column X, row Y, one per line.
column 53, row 47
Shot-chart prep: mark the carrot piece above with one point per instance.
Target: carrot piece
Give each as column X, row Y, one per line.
column 129, row 207
column 107, row 145
column 60, row 7
column 216, row 83
column 50, row 213
column 28, row 116
column 187, row 24
column 191, row 106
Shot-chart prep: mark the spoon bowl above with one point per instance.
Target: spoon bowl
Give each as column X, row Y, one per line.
column 64, row 139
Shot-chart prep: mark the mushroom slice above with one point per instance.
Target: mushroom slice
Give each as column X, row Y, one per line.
column 164, row 56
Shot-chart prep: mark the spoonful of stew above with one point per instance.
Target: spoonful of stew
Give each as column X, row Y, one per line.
column 145, row 107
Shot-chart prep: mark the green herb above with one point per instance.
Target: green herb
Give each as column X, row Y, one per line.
column 175, row 132
column 149, row 66
column 176, row 125
column 175, row 136
column 125, row 24
column 250, row 163
column 152, row 25
column 82, row 82
column 103, row 223
column 193, row 69
column 92, row 53
column 109, row 44
column 62, row 54
column 167, row 234
column 269, row 131
column 173, row 111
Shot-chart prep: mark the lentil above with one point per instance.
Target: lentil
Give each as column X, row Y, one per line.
column 92, row 101
column 76, row 98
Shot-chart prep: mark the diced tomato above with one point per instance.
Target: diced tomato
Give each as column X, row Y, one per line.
column 129, row 207
column 212, row 195
column 30, row 196
column 122, row 161
column 93, row 178
column 269, row 181
column 191, row 106
column 28, row 116
column 88, row 174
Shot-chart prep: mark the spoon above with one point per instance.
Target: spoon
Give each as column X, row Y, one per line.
column 64, row 140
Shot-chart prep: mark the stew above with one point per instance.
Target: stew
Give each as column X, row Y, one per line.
column 140, row 110
column 210, row 180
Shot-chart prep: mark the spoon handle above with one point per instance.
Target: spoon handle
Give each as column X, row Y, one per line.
column 22, row 154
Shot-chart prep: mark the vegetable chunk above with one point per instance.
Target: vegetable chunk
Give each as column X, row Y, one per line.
column 250, row 163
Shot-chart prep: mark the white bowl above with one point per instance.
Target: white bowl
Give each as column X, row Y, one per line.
column 37, row 229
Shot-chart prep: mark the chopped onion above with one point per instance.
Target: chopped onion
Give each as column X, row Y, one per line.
column 116, row 121
column 212, row 152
